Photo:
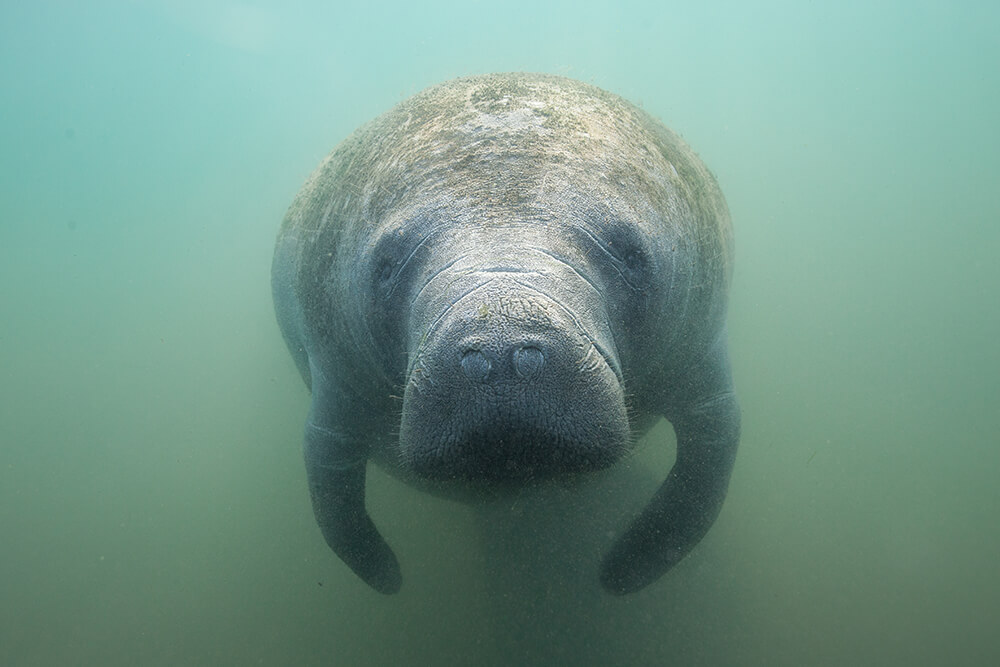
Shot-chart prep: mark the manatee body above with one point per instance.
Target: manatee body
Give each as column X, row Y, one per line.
column 505, row 279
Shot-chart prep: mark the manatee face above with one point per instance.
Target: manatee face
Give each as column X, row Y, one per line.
column 512, row 373
column 506, row 279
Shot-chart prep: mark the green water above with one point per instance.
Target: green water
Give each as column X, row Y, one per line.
column 153, row 508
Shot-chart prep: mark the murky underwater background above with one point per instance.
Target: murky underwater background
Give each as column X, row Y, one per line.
column 153, row 508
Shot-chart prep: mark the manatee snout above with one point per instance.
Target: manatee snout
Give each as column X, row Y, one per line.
column 510, row 385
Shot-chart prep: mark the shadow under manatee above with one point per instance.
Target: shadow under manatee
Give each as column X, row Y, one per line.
column 543, row 550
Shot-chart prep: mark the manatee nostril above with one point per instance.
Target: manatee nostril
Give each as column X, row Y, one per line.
column 475, row 365
column 528, row 361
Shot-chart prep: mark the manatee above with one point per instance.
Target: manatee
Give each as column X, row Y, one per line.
column 507, row 280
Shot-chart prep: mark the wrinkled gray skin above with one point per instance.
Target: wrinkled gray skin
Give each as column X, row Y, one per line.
column 505, row 279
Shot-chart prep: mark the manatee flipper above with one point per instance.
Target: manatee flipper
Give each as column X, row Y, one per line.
column 335, row 467
column 689, row 500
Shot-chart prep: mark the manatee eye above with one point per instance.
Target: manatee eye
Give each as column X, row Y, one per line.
column 384, row 277
column 385, row 272
column 389, row 258
column 634, row 261
column 397, row 257
column 635, row 268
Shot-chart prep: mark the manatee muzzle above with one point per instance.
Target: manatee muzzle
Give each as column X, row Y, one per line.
column 511, row 384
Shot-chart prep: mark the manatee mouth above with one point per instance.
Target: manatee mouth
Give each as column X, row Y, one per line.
column 512, row 455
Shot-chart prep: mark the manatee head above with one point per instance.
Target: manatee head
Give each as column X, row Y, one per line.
column 516, row 233
column 511, row 371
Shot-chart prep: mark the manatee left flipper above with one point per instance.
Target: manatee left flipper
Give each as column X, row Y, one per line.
column 689, row 500
column 336, row 473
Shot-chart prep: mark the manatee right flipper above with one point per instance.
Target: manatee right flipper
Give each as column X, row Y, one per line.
column 686, row 505
column 336, row 467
